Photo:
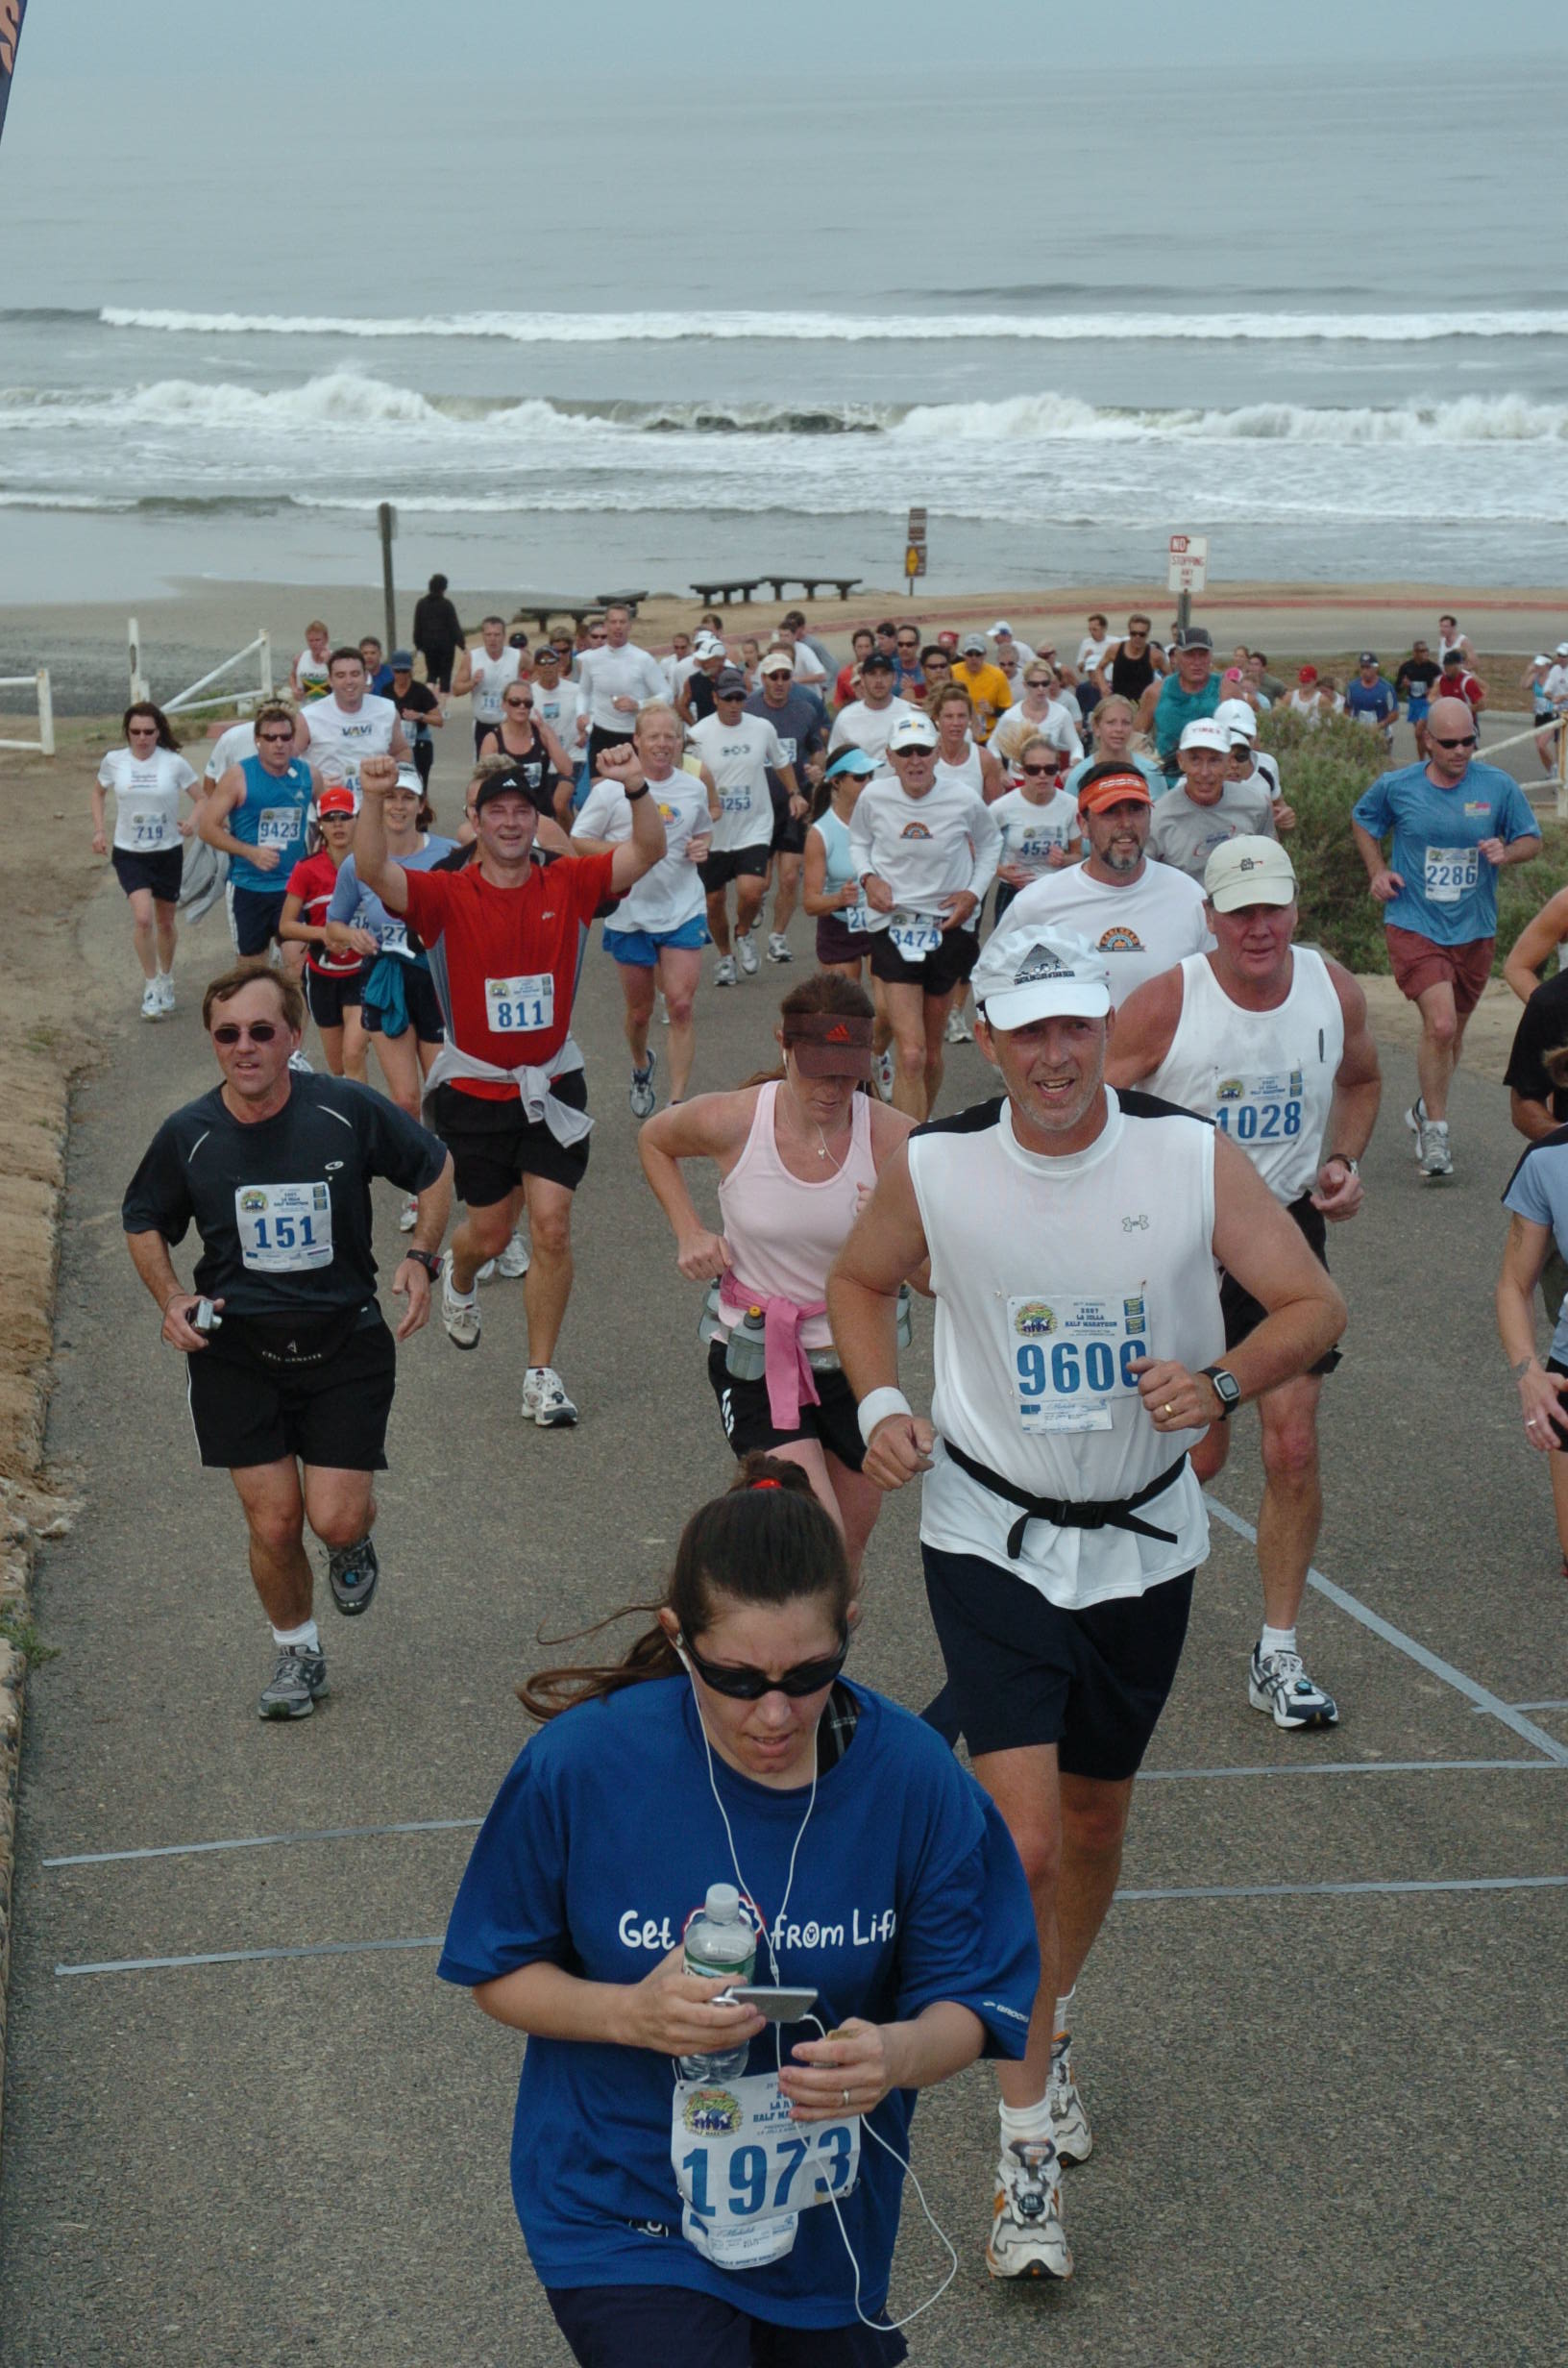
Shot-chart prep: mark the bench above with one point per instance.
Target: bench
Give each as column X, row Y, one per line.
column 540, row 607
column 733, row 588
column 809, row 583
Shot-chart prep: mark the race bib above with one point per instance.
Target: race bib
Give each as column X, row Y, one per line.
column 515, row 1007
column 914, row 934
column 856, row 917
column 746, row 2172
column 1072, row 1356
column 284, row 1228
column 277, row 826
column 1264, row 1109
column 395, row 939
column 736, row 801
column 147, row 829
column 1450, row 872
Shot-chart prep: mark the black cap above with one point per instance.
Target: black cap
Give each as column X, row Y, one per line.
column 501, row 784
column 730, row 682
column 1368, row 658
column 1194, row 638
column 878, row 658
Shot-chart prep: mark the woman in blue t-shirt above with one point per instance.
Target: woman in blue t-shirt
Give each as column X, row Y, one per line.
column 735, row 2220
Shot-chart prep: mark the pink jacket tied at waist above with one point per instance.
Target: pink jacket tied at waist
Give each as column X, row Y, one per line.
column 790, row 1381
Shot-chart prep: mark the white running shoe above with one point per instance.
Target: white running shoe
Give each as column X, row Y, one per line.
column 164, row 983
column 884, row 1075
column 1433, row 1155
column 1074, row 2137
column 644, row 1100
column 408, row 1214
column 1027, row 2238
column 779, row 947
column 1278, row 1682
column 545, row 1401
column 486, row 1273
column 300, row 1064
column 724, row 970
column 514, row 1258
column 152, row 1002
column 747, row 953
column 461, row 1317
column 957, row 1030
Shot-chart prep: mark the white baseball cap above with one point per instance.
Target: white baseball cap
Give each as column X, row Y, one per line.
column 1237, row 718
column 1027, row 974
column 708, row 645
column 1249, row 871
column 1562, row 649
column 1002, row 626
column 1206, row 731
column 912, row 731
column 778, row 662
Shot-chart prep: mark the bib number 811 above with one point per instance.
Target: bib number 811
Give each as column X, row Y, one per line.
column 1069, row 1367
column 1258, row 1122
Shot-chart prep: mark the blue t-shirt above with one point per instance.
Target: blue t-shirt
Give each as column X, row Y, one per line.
column 1175, row 709
column 1539, row 1191
column 1375, row 700
column 274, row 811
column 1449, row 891
column 362, row 908
column 600, row 1844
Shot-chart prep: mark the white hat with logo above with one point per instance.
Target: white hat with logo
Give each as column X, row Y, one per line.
column 1249, row 871
column 1027, row 974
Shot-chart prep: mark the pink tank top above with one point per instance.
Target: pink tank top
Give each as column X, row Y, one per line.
column 783, row 1235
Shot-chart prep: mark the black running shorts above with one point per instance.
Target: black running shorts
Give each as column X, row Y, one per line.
column 1022, row 1671
column 161, row 872
column 748, row 1422
column 334, row 1414
column 1243, row 1314
column 494, row 1147
column 717, row 871
column 330, row 993
column 944, row 968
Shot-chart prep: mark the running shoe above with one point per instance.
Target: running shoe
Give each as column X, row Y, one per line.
column 513, row 1261
column 747, row 953
column 1073, row 2138
column 486, row 1273
column 779, row 947
column 352, row 1573
column 661, row 1007
column 1432, row 1152
column 884, row 1075
column 152, row 1002
column 724, row 970
column 298, row 1681
column 643, row 1096
column 164, row 983
column 1278, row 1682
column 1027, row 2238
column 959, row 1030
column 545, row 1401
column 461, row 1317
column 408, row 1214
column 300, row 1064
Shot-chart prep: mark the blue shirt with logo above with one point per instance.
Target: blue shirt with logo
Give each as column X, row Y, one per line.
column 274, row 811
column 603, row 1839
column 1375, row 700
column 1449, row 891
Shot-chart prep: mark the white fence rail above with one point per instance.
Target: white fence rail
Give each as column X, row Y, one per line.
column 188, row 700
column 1558, row 723
column 39, row 684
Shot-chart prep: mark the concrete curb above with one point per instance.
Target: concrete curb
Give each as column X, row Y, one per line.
column 31, row 1183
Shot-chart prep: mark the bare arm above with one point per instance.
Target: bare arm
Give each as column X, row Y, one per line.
column 714, row 1126
column 214, row 811
column 1532, row 1119
column 815, row 894
column 886, row 1248
column 648, row 843
column 1384, row 883
column 372, row 865
column 1540, row 1392
column 1256, row 1241
column 462, row 680
column 412, row 1281
column 150, row 1256
column 1534, row 944
column 1352, row 1113
column 1144, row 1029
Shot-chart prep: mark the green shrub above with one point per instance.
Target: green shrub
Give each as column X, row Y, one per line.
column 1323, row 771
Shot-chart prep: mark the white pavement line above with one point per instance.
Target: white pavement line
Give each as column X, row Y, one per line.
column 243, row 1956
column 1350, row 1767
column 1529, row 1706
column 1341, row 1890
column 1481, row 1695
column 268, row 1842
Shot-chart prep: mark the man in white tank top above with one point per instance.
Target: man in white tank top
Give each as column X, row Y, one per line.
column 1071, row 1235
column 484, row 674
column 1271, row 1041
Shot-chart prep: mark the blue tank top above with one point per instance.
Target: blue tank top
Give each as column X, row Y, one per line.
column 1175, row 709
column 274, row 812
column 835, row 833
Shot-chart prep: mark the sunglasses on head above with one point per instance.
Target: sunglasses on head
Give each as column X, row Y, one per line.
column 261, row 1033
column 746, row 1685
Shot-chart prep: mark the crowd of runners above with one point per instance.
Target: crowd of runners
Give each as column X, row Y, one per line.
column 1122, row 1242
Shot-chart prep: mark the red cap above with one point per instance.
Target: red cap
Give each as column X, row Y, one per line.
column 335, row 800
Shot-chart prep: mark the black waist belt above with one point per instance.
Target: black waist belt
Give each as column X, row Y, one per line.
column 1115, row 1513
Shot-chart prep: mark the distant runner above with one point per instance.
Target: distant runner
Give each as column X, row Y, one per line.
column 147, row 777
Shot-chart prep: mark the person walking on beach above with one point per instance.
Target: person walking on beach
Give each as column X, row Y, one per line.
column 147, row 777
column 438, row 633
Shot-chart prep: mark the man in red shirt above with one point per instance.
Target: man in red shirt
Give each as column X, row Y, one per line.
column 506, row 1093
column 1456, row 681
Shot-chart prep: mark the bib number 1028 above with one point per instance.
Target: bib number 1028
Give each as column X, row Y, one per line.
column 1258, row 1122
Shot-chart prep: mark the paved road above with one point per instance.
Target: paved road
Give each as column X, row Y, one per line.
column 1330, row 2123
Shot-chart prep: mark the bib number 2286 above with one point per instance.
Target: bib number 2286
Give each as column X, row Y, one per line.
column 515, row 1007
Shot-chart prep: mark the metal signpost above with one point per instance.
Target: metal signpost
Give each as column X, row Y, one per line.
column 1188, row 573
column 387, row 520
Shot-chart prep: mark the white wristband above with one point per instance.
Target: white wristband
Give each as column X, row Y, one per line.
column 876, row 1409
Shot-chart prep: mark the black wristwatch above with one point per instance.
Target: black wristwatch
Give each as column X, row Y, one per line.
column 428, row 1259
column 631, row 796
column 1227, row 1388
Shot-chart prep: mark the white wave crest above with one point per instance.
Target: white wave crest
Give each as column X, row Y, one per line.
column 1473, row 419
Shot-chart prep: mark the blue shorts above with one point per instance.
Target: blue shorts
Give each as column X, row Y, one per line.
column 681, row 2327
column 1416, row 710
column 644, row 947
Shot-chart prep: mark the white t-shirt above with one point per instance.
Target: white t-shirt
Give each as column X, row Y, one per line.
column 924, row 848
column 606, row 675
column 559, row 708
column 671, row 893
column 1141, row 930
column 338, row 742
column 311, row 674
column 860, row 726
column 147, row 792
column 738, row 756
column 808, row 666
column 1056, row 725
column 1091, row 653
column 1555, row 688
column 231, row 748
column 677, row 673
column 1265, row 775
column 1030, row 831
column 490, row 677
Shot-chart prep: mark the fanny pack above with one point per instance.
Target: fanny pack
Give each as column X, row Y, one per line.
column 290, row 1342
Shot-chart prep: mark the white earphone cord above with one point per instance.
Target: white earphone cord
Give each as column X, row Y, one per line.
column 881, row 2326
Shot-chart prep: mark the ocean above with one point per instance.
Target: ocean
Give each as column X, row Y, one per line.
column 1323, row 320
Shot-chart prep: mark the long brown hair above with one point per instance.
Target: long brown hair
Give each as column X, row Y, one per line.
column 766, row 1541
column 150, row 706
column 825, row 991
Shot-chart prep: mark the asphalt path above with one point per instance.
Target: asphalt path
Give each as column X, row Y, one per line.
column 1322, row 2050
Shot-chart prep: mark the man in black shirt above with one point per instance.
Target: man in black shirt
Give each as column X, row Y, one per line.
column 438, row 632
column 290, row 1368
column 1414, row 684
column 419, row 709
column 1537, row 1078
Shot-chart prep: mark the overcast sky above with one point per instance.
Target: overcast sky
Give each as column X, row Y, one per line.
column 96, row 40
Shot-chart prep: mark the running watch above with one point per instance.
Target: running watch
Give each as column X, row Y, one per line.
column 426, row 1258
column 1227, row 1388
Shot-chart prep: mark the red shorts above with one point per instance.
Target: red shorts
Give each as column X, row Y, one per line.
column 1418, row 964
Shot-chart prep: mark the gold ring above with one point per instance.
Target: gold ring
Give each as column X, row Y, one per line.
column 847, row 2096
column 1169, row 1408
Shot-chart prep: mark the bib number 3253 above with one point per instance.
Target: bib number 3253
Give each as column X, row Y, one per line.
column 515, row 1007
column 1072, row 1356
column 745, row 2171
column 283, row 1229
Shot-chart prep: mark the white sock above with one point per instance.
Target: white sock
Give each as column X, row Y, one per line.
column 451, row 1287
column 1064, row 2013
column 304, row 1638
column 1028, row 2124
column 1277, row 1640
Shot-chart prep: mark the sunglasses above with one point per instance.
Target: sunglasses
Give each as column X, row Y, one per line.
column 1040, row 773
column 746, row 1685
column 1467, row 742
column 271, row 738
column 261, row 1033
column 517, row 703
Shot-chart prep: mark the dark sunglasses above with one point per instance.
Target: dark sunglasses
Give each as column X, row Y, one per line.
column 1040, row 773
column 262, row 1032
column 1467, row 742
column 270, row 738
column 512, row 702
column 744, row 1684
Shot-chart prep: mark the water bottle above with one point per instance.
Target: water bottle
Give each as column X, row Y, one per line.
column 747, row 1354
column 721, row 1944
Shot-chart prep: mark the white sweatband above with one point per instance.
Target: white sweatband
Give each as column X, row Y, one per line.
column 876, row 1409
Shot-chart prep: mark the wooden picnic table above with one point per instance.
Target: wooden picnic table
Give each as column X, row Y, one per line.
column 731, row 587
